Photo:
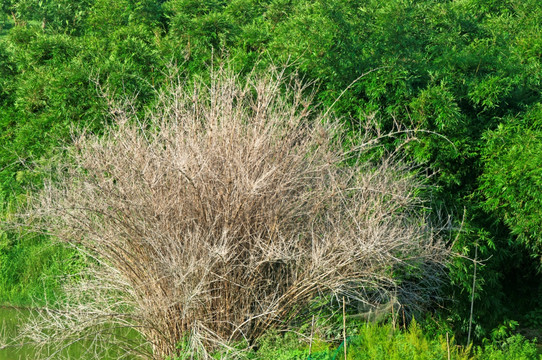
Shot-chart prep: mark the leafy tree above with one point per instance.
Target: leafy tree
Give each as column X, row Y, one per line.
column 512, row 180
column 58, row 15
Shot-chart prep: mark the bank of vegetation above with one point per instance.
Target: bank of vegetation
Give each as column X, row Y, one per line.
column 451, row 91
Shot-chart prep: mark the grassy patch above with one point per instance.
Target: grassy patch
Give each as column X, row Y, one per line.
column 374, row 342
column 32, row 271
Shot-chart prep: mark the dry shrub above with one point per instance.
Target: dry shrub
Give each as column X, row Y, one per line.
column 224, row 213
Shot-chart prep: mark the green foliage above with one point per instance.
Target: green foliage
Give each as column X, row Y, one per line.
column 289, row 346
column 381, row 342
column 6, row 73
column 56, row 15
column 373, row 342
column 512, row 180
column 47, row 88
column 513, row 347
column 32, row 271
column 108, row 15
column 533, row 319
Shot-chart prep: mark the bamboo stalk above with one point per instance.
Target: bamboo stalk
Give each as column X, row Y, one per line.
column 473, row 290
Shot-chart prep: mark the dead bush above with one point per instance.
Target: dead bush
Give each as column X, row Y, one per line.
column 225, row 211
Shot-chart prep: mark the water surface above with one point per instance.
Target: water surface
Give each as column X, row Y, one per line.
column 11, row 319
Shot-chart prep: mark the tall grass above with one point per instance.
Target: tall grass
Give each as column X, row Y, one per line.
column 382, row 342
column 223, row 214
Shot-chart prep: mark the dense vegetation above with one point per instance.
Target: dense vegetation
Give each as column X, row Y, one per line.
column 464, row 75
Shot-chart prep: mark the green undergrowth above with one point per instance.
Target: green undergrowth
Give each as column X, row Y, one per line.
column 32, row 267
column 370, row 341
column 32, row 270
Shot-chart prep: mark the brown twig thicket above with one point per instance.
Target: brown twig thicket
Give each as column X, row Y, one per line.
column 224, row 213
